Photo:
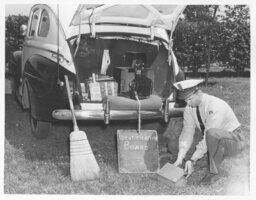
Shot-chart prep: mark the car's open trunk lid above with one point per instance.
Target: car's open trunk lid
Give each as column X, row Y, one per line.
column 157, row 16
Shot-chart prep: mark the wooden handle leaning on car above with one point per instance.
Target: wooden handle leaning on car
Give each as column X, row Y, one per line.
column 71, row 103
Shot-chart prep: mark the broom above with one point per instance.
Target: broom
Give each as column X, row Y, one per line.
column 83, row 165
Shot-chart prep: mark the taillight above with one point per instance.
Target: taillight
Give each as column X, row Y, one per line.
column 72, row 87
column 84, row 91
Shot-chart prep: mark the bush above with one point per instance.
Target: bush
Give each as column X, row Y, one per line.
column 12, row 33
column 202, row 38
column 236, row 37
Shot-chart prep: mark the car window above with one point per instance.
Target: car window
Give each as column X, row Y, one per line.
column 34, row 21
column 133, row 11
column 44, row 24
column 165, row 9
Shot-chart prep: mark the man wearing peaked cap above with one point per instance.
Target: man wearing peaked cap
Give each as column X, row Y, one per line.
column 187, row 87
column 222, row 135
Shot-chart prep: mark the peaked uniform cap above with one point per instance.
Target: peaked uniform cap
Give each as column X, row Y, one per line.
column 187, row 87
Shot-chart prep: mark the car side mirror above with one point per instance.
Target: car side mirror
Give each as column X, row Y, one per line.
column 23, row 30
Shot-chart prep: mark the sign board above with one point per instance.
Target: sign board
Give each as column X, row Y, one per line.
column 137, row 152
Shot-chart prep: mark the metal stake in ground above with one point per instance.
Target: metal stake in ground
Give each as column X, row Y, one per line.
column 83, row 165
column 139, row 114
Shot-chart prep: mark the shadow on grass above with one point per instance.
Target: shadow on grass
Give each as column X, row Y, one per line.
column 210, row 84
column 55, row 148
column 18, row 133
column 220, row 74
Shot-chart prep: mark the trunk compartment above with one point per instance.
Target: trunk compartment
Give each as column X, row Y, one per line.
column 123, row 56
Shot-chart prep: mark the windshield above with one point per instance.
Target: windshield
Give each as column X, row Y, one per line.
column 165, row 9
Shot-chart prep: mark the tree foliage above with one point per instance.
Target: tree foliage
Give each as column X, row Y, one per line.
column 200, row 38
column 204, row 37
column 196, row 34
column 12, row 32
column 235, row 45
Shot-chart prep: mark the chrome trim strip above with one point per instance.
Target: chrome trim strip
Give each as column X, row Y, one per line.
column 48, row 50
column 34, row 77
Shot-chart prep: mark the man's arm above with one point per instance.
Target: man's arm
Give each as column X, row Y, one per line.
column 186, row 136
column 201, row 149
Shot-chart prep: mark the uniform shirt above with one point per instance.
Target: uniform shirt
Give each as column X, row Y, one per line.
column 215, row 113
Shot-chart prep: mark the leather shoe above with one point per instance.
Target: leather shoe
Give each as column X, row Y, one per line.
column 208, row 179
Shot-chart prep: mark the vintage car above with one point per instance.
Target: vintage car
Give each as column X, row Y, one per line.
column 109, row 53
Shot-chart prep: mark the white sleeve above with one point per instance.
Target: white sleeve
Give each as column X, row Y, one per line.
column 215, row 117
column 201, row 149
column 187, row 133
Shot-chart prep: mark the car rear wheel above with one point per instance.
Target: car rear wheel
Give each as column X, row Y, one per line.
column 40, row 129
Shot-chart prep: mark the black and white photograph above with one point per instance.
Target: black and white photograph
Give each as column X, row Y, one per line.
column 138, row 98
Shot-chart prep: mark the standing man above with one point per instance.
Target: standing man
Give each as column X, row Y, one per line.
column 218, row 123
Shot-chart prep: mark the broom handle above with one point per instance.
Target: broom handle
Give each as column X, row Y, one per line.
column 71, row 103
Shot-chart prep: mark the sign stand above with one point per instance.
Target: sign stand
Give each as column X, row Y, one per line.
column 137, row 149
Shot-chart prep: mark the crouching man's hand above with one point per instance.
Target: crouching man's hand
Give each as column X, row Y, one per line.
column 189, row 167
column 178, row 162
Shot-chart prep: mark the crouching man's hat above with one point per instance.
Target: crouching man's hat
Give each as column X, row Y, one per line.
column 187, row 87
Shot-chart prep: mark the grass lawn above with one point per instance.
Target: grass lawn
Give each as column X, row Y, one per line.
column 42, row 166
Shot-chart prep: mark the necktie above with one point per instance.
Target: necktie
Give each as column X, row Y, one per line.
column 200, row 119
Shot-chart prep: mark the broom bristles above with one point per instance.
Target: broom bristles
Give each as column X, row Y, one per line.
column 83, row 165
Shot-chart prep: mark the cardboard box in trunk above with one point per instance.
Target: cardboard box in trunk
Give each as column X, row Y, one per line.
column 101, row 86
column 127, row 75
column 108, row 88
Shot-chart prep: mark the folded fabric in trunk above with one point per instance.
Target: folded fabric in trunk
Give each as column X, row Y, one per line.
column 154, row 102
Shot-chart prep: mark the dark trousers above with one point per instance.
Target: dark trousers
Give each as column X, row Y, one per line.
column 221, row 144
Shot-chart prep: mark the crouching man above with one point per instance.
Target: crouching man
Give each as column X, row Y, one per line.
column 221, row 130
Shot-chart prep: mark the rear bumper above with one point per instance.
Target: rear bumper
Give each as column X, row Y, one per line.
column 64, row 114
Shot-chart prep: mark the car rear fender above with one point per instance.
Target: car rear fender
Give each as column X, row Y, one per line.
column 17, row 57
